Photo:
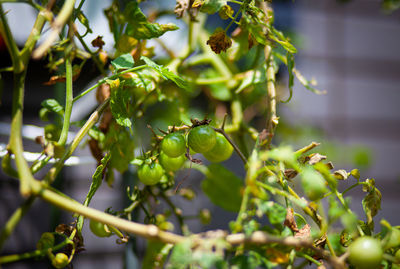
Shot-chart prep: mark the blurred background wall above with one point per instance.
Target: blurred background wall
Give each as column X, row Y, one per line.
column 350, row 48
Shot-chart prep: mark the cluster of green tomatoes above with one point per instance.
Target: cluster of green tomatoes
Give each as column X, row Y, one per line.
column 174, row 152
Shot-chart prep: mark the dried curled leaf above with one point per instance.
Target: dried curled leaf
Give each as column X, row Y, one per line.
column 315, row 158
column 290, row 222
column 98, row 42
column 219, row 41
column 304, row 232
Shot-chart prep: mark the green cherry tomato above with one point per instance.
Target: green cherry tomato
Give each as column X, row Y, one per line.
column 150, row 174
column 60, row 260
column 99, row 229
column 365, row 253
column 173, row 145
column 221, row 151
column 202, row 138
column 171, row 164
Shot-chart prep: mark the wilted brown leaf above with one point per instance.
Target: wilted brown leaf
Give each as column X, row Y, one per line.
column 219, row 41
column 304, row 232
column 315, row 158
column 290, row 222
column 98, row 42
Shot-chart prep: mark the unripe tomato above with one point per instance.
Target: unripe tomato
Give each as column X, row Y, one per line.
column 60, row 260
column 202, row 138
column 171, row 164
column 99, row 229
column 221, row 151
column 150, row 174
column 173, row 145
column 365, row 253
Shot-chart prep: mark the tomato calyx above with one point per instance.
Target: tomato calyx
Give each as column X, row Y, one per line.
column 197, row 122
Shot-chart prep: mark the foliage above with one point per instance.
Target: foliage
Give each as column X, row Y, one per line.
column 281, row 218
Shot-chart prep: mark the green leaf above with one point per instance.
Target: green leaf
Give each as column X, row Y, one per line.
column 278, row 37
column 156, row 254
column 121, row 145
column 138, row 26
column 54, row 106
column 181, row 255
column 212, row 6
column 166, row 73
column 124, row 61
column 97, row 179
column 119, row 106
column 372, row 204
column 275, row 212
column 308, row 84
column 313, row 184
column 223, row 187
column 218, row 90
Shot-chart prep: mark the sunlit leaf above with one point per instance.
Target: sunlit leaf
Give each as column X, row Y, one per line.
column 138, row 25
column 166, row 73
column 124, row 61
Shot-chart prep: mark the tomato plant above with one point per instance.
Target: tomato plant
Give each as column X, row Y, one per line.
column 291, row 205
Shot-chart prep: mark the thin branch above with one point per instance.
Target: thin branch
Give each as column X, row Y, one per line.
column 235, row 147
column 57, row 25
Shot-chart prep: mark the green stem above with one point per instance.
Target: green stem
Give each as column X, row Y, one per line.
column 282, row 193
column 36, row 253
column 234, row 19
column 36, row 167
column 179, row 217
column 68, row 102
column 68, row 204
column 104, row 80
column 12, row 222
column 272, row 120
column 309, row 258
column 10, row 42
column 95, row 57
column 16, row 146
column 343, row 202
column 78, row 138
